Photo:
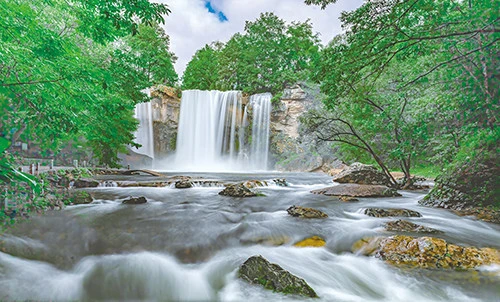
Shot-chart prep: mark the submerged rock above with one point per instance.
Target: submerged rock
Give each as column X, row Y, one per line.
column 407, row 226
column 347, row 199
column 271, row 240
column 237, row 190
column 426, row 252
column 378, row 212
column 183, row 184
column 355, row 190
column 361, row 174
column 297, row 211
column 135, row 200
column 314, row 241
column 281, row 182
column 257, row 270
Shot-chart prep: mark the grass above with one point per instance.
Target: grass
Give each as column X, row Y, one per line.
column 428, row 172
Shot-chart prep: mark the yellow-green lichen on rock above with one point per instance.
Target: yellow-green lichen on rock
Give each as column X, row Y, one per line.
column 426, row 252
column 314, row 241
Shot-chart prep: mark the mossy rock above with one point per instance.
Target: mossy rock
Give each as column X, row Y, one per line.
column 259, row 271
column 77, row 197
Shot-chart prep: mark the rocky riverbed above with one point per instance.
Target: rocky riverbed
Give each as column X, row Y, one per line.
column 189, row 242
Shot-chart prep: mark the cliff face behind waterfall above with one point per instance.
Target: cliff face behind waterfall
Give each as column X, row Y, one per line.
column 291, row 148
column 166, row 105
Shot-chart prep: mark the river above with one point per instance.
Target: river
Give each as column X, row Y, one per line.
column 187, row 245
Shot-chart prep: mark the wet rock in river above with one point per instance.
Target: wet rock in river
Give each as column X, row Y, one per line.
column 281, row 182
column 135, row 200
column 355, row 190
column 362, row 174
column 378, row 212
column 183, row 184
column 407, row 226
column 314, row 241
column 85, row 183
column 347, row 199
column 257, row 270
column 303, row 212
column 237, row 190
column 426, row 252
column 250, row 184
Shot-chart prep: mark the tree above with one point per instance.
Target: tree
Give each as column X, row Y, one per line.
column 269, row 55
column 202, row 72
column 401, row 64
column 65, row 74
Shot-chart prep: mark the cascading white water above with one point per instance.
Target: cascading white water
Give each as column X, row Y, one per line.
column 261, row 108
column 144, row 134
column 212, row 132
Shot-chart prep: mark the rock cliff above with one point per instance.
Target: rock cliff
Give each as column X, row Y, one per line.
column 292, row 149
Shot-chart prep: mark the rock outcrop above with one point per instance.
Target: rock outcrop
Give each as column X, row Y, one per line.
column 237, row 190
column 378, row 212
column 407, row 226
column 361, row 174
column 166, row 109
column 355, row 190
column 470, row 188
column 426, row 252
column 292, row 148
column 297, row 211
column 259, row 271
column 135, row 200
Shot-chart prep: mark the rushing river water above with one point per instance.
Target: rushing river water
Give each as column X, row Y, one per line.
column 187, row 244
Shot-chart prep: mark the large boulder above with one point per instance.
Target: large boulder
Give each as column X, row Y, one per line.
column 355, row 190
column 363, row 175
column 469, row 188
column 378, row 212
column 303, row 212
column 257, row 270
column 407, row 226
column 426, row 252
column 237, row 190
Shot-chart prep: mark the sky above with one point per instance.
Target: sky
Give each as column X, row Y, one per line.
column 194, row 23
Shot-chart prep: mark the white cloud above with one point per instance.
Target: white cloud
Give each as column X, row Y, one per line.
column 190, row 25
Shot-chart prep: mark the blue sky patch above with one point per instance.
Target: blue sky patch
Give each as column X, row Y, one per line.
column 219, row 14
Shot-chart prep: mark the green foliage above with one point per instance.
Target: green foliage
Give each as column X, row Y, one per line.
column 267, row 57
column 74, row 72
column 202, row 72
column 409, row 81
column 9, row 174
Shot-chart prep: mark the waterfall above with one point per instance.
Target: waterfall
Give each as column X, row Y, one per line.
column 213, row 135
column 261, row 108
column 144, row 133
